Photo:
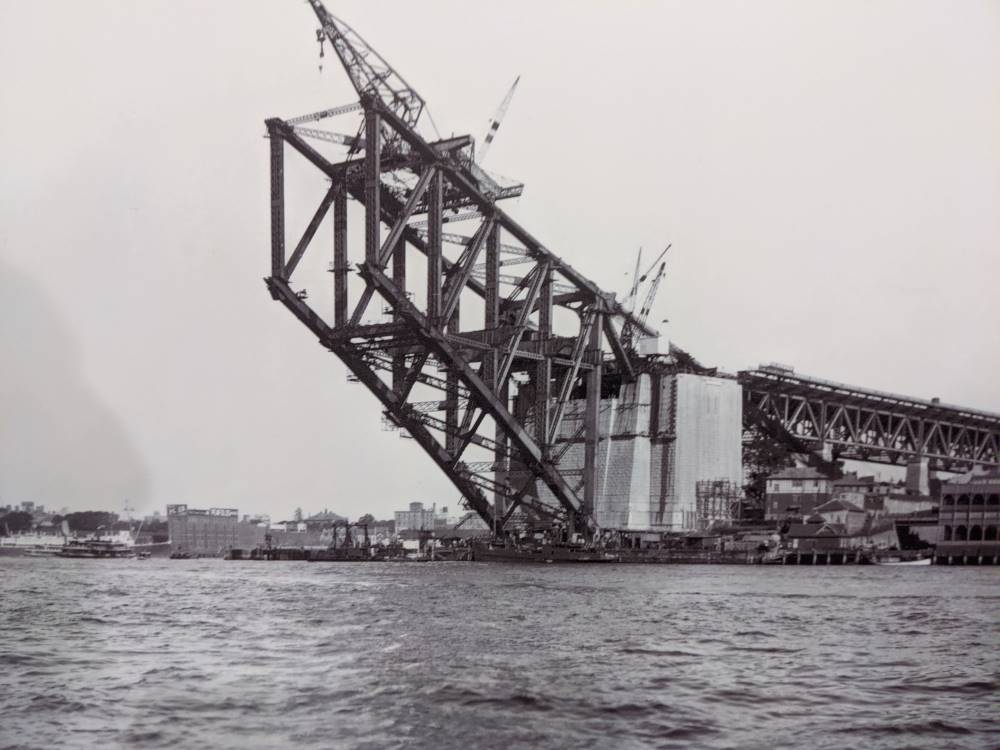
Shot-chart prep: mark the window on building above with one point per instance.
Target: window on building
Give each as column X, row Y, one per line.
column 949, row 499
column 947, row 533
column 797, row 483
column 991, row 534
column 961, row 534
column 963, row 499
column 976, row 534
column 993, row 499
column 978, row 500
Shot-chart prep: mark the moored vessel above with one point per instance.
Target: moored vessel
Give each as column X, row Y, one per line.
column 897, row 560
column 542, row 553
column 96, row 548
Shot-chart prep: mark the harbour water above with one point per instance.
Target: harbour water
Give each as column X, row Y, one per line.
column 213, row 654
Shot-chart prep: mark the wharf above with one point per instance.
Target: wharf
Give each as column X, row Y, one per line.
column 348, row 554
column 815, row 557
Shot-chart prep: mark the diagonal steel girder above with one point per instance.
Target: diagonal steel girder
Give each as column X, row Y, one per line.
column 463, row 481
column 419, row 340
column 530, row 452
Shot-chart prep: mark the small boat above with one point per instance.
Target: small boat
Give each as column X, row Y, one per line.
column 896, row 560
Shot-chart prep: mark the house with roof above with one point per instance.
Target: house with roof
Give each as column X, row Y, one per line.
column 816, row 536
column 844, row 513
column 851, row 482
column 323, row 520
column 796, row 493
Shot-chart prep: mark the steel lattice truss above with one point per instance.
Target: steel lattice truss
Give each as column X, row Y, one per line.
column 867, row 425
column 408, row 188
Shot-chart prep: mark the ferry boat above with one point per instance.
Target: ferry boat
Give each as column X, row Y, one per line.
column 31, row 545
column 34, row 544
column 96, row 548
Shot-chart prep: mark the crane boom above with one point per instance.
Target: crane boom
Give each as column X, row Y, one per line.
column 491, row 132
column 651, row 294
column 369, row 72
column 635, row 280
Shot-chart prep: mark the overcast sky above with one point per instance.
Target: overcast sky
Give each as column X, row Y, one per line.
column 829, row 174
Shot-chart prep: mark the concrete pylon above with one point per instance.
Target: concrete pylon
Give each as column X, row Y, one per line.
column 918, row 477
column 826, row 451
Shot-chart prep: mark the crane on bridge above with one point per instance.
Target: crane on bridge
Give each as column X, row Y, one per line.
column 629, row 329
column 450, row 373
column 500, row 454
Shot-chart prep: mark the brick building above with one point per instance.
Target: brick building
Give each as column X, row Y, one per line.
column 969, row 519
column 796, row 493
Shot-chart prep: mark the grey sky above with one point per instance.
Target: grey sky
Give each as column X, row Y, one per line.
column 829, row 174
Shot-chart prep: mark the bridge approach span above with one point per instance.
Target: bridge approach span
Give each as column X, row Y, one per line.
column 861, row 424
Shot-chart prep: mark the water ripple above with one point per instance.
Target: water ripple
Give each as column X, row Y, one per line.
column 176, row 654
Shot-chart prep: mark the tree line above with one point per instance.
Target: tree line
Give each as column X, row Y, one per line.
column 19, row 521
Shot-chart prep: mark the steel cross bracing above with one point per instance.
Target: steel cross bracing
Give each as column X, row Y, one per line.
column 446, row 378
column 866, row 425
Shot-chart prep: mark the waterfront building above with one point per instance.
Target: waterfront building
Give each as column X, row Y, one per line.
column 323, row 520
column 816, row 536
column 969, row 519
column 202, row 533
column 251, row 532
column 844, row 513
column 796, row 492
column 851, row 483
column 417, row 518
column 819, row 535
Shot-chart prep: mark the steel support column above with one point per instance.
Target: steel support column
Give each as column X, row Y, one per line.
column 340, row 268
column 434, row 248
column 399, row 279
column 591, row 419
column 543, row 369
column 277, row 201
column 373, row 185
column 451, row 392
